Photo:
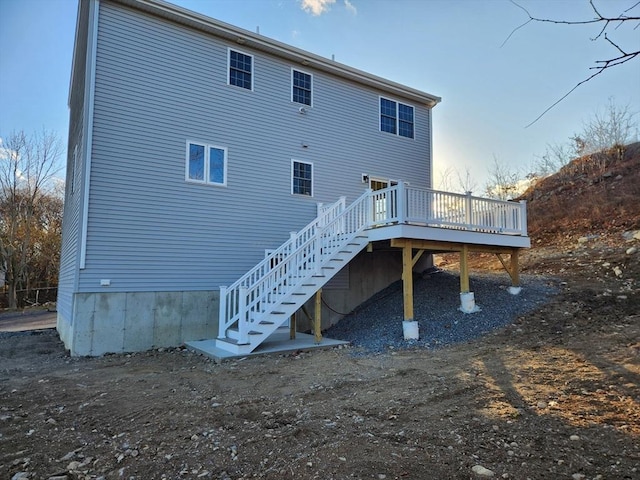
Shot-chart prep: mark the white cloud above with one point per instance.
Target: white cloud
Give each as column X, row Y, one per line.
column 295, row 33
column 351, row 7
column 316, row 7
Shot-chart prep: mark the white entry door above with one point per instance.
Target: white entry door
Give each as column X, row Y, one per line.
column 382, row 207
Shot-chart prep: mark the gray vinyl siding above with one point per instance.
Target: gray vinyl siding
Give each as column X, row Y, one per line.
column 70, row 252
column 158, row 85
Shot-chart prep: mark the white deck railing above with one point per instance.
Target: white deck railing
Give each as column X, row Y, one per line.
column 433, row 208
column 283, row 270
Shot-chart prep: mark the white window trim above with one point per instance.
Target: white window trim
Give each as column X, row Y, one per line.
column 206, row 181
column 390, row 182
column 295, row 160
column 253, row 67
column 397, row 102
column 306, row 73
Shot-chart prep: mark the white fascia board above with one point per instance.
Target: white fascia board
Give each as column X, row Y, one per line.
column 274, row 47
column 73, row 56
column 448, row 235
column 87, row 137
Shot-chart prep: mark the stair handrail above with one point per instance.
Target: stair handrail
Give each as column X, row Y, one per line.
column 233, row 303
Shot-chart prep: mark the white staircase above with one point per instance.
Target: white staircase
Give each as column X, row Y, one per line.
column 264, row 299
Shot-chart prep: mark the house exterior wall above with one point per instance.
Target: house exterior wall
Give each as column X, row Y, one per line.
column 78, row 97
column 158, row 85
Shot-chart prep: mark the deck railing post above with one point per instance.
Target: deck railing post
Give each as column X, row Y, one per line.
column 243, row 327
column 317, row 252
column 319, row 208
column 401, row 200
column 293, row 260
column 222, row 313
column 468, row 210
column 343, row 205
column 370, row 211
column 523, row 217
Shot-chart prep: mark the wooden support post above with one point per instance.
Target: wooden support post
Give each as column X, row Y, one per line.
column 464, row 269
column 292, row 327
column 407, row 280
column 515, row 268
column 317, row 321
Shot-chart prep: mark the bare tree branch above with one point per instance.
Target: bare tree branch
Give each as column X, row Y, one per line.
column 601, row 65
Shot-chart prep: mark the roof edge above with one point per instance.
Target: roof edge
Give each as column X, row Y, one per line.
column 246, row 38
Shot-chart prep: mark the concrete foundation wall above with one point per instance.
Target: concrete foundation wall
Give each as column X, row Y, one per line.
column 136, row 321
column 369, row 273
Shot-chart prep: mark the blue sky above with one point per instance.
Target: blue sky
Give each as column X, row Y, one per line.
column 449, row 48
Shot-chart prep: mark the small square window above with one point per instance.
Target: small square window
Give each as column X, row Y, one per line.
column 240, row 69
column 302, row 178
column 301, row 87
column 206, row 163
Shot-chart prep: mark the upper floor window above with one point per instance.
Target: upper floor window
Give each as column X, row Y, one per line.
column 206, row 163
column 240, row 69
column 301, row 87
column 396, row 118
column 301, row 178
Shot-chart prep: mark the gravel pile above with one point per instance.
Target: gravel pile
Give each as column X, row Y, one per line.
column 376, row 325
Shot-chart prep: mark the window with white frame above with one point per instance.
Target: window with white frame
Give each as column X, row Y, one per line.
column 240, row 69
column 396, row 118
column 301, row 87
column 206, row 163
column 301, row 178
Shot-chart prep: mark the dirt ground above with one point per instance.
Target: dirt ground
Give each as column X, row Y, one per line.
column 556, row 395
column 33, row 319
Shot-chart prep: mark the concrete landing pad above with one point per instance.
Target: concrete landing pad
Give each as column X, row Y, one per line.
column 277, row 343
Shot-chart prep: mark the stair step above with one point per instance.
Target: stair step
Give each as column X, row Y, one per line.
column 232, row 346
column 329, row 268
column 232, row 333
column 232, row 341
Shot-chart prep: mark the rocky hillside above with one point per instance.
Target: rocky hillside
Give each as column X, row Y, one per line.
column 593, row 195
